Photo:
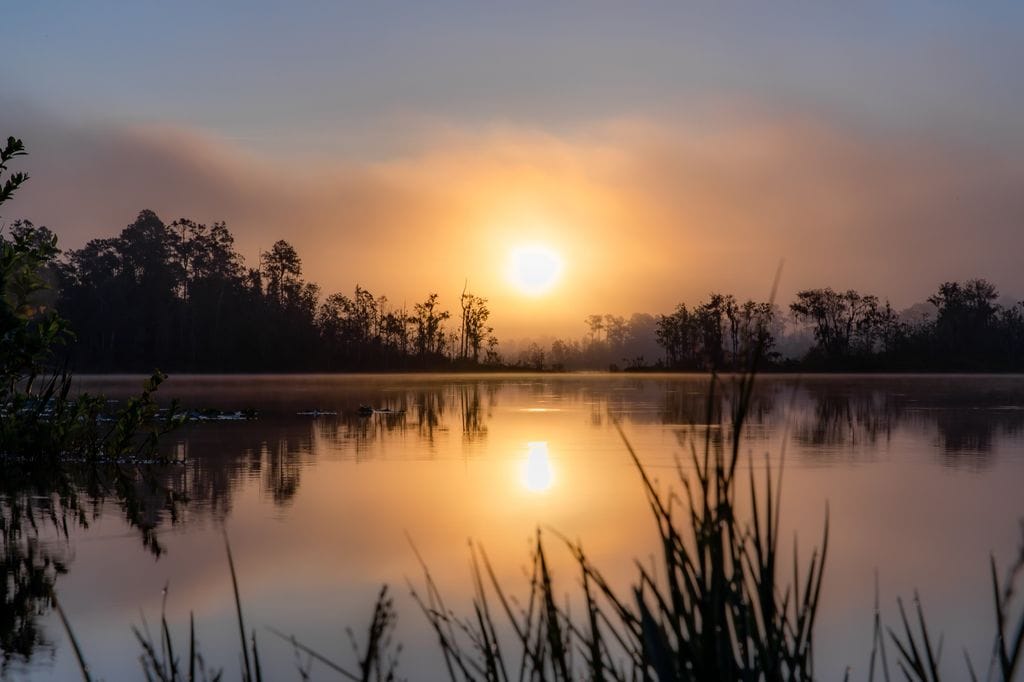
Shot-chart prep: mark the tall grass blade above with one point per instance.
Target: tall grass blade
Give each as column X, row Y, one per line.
column 238, row 609
column 82, row 666
column 316, row 655
column 878, row 640
column 191, row 647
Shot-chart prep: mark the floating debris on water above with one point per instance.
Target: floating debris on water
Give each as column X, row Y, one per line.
column 211, row 415
column 367, row 410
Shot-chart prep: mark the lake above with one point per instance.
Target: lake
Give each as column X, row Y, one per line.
column 922, row 477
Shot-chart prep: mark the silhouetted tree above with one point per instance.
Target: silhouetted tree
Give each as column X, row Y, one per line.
column 429, row 329
column 474, row 332
column 966, row 315
column 281, row 269
column 676, row 333
column 711, row 318
column 615, row 331
column 532, row 357
column 596, row 324
column 843, row 321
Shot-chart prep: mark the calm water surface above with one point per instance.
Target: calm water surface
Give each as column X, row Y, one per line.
column 922, row 477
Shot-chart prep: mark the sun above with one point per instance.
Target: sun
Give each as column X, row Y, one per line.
column 537, row 474
column 534, row 270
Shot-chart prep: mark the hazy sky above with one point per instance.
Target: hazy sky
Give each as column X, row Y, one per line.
column 664, row 149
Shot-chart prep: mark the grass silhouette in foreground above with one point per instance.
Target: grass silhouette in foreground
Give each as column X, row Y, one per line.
column 717, row 607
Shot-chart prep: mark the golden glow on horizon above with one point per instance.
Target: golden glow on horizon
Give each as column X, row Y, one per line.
column 534, row 270
column 537, row 473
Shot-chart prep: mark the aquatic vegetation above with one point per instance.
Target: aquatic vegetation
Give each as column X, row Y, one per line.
column 715, row 607
column 919, row 658
column 721, row 602
column 61, row 456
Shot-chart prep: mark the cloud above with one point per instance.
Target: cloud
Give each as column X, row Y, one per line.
column 646, row 212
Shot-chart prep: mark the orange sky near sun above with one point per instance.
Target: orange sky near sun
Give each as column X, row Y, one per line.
column 644, row 213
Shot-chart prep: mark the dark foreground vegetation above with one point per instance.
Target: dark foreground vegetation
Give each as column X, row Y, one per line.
column 62, row 457
column 716, row 608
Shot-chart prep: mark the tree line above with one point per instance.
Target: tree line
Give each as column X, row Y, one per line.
column 179, row 296
column 718, row 333
column 965, row 329
column 962, row 327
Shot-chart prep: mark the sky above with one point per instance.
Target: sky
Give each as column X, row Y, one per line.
column 662, row 150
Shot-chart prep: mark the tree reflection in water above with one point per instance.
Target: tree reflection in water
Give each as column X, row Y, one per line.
column 831, row 419
column 41, row 501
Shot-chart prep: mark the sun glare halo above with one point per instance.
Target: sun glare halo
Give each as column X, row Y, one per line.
column 537, row 473
column 534, row 270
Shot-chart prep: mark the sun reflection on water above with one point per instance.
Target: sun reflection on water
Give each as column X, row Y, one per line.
column 537, row 474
